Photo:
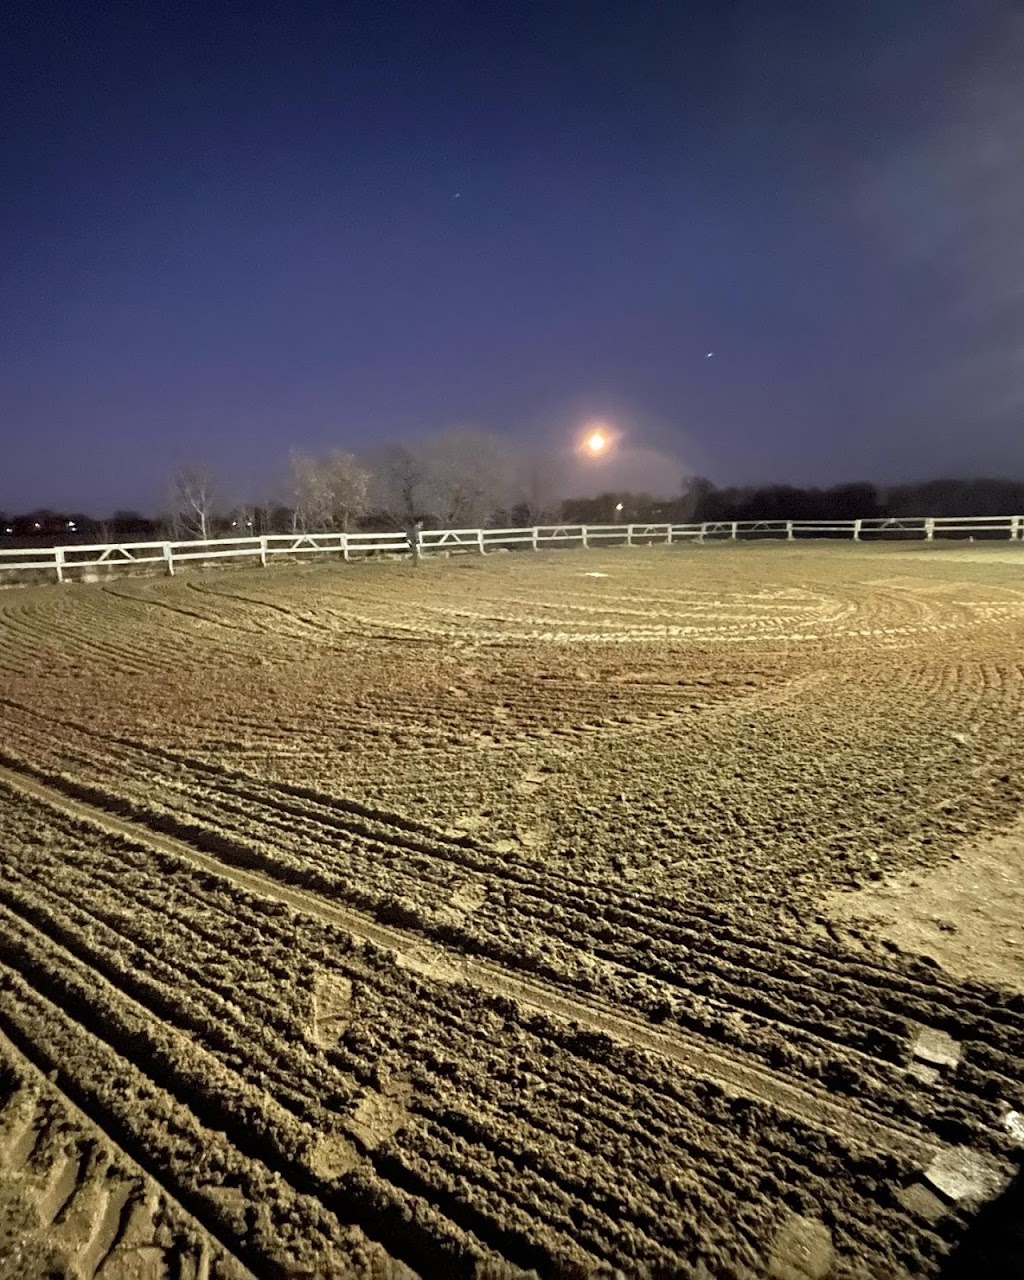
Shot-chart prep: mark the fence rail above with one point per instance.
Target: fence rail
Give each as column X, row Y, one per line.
column 90, row 561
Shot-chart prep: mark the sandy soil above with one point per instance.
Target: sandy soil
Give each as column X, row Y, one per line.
column 498, row 918
column 967, row 914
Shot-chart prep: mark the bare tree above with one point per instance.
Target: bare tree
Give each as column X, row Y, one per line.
column 308, row 492
column 329, row 492
column 193, row 494
column 456, row 478
column 349, row 485
column 693, row 499
column 537, row 487
column 468, row 475
column 397, row 481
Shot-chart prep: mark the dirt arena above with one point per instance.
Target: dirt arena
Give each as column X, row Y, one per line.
column 642, row 912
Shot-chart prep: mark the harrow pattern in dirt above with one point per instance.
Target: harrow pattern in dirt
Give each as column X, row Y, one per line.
column 469, row 921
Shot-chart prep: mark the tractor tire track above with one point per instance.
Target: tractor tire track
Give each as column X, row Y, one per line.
column 813, row 1107
column 80, row 1203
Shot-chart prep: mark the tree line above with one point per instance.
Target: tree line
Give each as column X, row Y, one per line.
column 469, row 479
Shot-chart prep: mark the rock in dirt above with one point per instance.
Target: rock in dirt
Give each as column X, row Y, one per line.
column 1013, row 1123
column 922, row 1203
column 964, row 1175
column 936, row 1047
column 924, row 1073
column 802, row 1250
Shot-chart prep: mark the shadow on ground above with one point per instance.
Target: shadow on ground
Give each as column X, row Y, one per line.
column 994, row 1244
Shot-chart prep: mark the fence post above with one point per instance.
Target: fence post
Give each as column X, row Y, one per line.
column 703, row 531
column 929, row 528
column 856, row 530
column 789, row 530
column 735, row 531
column 1015, row 529
column 668, row 535
column 169, row 558
column 263, row 550
column 583, row 535
column 629, row 535
column 480, row 541
column 58, row 562
column 535, row 534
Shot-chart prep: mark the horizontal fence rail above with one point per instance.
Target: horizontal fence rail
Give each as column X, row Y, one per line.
column 90, row 562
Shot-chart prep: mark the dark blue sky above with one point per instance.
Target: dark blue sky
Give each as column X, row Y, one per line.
column 228, row 229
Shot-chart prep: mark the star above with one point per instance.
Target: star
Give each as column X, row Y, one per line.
column 709, row 355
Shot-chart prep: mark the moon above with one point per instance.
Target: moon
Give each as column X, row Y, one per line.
column 597, row 442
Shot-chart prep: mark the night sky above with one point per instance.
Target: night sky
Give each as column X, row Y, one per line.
column 229, row 229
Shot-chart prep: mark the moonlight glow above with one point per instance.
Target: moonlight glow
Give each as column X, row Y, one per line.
column 597, row 439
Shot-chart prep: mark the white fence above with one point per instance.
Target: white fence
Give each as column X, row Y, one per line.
column 92, row 561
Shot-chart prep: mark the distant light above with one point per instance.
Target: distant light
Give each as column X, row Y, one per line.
column 8, row 529
column 37, row 525
column 249, row 523
column 618, row 506
column 234, row 524
column 709, row 355
column 71, row 524
column 597, row 442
